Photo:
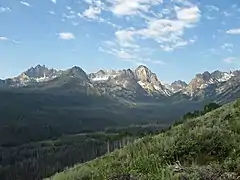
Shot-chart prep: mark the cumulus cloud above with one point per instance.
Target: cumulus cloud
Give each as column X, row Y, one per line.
column 133, row 7
column 25, row 3
column 52, row 12
column 167, row 32
column 66, row 36
column 92, row 12
column 233, row 31
column 123, row 7
column 227, row 14
column 165, row 26
column 133, row 54
column 183, row 2
column 125, row 38
column 2, row 38
column 189, row 15
column 227, row 46
column 124, row 54
column 4, row 9
column 54, row 1
column 210, row 17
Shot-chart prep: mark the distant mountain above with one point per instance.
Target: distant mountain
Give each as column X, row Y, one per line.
column 127, row 84
column 102, row 75
column 33, row 75
column 139, row 80
column 39, row 72
column 150, row 82
column 229, row 90
column 217, row 86
column 206, row 80
column 73, row 80
column 177, row 86
column 221, row 76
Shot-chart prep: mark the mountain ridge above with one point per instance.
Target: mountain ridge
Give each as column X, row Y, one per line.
column 130, row 83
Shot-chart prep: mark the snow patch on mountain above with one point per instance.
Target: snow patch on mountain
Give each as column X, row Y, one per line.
column 101, row 78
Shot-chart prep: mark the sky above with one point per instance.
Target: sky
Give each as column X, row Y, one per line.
column 176, row 39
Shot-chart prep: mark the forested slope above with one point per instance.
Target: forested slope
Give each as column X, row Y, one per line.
column 207, row 147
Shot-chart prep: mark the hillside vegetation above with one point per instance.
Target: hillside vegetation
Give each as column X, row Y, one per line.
column 206, row 147
column 56, row 114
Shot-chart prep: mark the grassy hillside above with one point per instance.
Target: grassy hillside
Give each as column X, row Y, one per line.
column 207, row 147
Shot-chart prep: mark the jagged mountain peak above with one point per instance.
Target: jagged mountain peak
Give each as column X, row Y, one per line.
column 217, row 72
column 40, row 71
column 207, row 82
column 144, row 74
column 179, row 82
column 103, row 75
column 142, row 67
column 149, row 81
column 76, row 68
column 76, row 72
column 177, row 86
column 127, row 73
column 101, row 72
column 206, row 76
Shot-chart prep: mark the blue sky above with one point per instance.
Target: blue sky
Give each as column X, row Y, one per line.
column 175, row 38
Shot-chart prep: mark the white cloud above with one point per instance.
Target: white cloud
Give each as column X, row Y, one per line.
column 233, row 31
column 25, row 3
column 166, row 27
column 124, row 55
column 16, row 41
column 168, row 33
column 212, row 8
column 125, row 38
column 66, row 36
column 227, row 46
column 92, row 12
column 190, row 15
column 133, row 54
column 4, row 9
column 70, row 16
column 54, row 1
column 131, row 7
column 52, row 12
column 229, row 60
column 210, row 17
column 2, row 38
column 227, row 14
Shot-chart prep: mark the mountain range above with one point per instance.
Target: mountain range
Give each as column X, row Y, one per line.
column 128, row 84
